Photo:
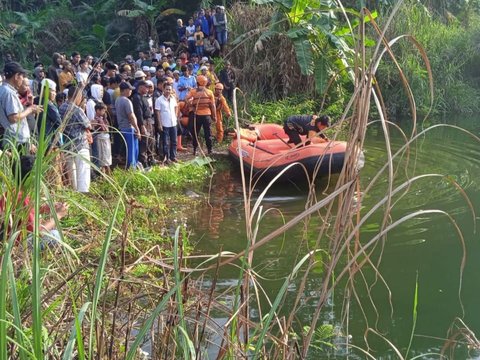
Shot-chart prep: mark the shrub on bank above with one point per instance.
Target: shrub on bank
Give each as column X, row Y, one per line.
column 451, row 48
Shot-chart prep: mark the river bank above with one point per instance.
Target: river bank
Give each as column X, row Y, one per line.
column 118, row 242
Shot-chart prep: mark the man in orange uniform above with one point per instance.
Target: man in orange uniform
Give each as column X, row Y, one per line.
column 183, row 121
column 222, row 107
column 202, row 111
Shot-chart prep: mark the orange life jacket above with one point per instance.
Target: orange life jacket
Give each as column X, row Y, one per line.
column 200, row 101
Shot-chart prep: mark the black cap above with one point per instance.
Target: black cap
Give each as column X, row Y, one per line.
column 126, row 85
column 13, row 68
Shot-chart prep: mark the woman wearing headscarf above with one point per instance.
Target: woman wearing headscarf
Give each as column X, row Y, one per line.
column 96, row 95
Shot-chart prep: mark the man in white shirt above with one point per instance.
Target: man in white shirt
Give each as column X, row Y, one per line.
column 166, row 111
column 82, row 73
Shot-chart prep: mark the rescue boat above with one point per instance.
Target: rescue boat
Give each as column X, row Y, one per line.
column 265, row 151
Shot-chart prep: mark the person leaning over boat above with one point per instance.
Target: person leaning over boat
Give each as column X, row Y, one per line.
column 310, row 125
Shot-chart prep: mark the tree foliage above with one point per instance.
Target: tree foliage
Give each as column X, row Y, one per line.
column 89, row 26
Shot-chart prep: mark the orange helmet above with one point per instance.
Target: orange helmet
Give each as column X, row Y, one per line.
column 202, row 80
column 219, row 86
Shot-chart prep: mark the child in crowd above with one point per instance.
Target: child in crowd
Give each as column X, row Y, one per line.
column 102, row 138
column 60, row 99
column 199, row 40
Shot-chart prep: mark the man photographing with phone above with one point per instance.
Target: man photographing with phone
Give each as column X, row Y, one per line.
column 13, row 116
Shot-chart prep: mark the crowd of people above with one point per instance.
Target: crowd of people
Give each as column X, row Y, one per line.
column 137, row 112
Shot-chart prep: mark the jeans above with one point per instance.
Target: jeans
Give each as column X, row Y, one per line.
column 191, row 46
column 94, row 154
column 221, row 36
column 169, row 142
column 132, row 146
column 199, row 50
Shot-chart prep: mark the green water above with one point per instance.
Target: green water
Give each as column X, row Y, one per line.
column 427, row 245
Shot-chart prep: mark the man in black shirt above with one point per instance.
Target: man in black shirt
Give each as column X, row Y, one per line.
column 145, row 119
column 309, row 125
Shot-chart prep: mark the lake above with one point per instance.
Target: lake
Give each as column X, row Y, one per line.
column 427, row 248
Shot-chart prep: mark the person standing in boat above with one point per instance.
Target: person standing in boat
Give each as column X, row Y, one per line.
column 310, row 125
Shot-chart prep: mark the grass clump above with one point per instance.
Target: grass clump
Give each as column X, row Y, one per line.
column 178, row 178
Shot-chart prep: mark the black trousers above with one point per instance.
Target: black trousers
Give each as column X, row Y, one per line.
column 147, row 146
column 195, row 124
column 293, row 135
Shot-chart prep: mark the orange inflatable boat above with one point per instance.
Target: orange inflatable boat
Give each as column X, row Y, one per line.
column 265, row 150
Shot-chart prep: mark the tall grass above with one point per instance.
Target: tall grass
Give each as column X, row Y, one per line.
column 451, row 48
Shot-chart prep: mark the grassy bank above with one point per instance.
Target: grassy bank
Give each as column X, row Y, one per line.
column 106, row 273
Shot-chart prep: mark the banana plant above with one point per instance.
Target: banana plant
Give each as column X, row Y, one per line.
column 149, row 13
column 323, row 43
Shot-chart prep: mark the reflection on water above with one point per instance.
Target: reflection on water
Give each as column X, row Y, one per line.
column 427, row 245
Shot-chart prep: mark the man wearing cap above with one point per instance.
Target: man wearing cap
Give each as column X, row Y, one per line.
column 127, row 123
column 13, row 116
column 202, row 111
column 222, row 107
column 310, row 125
column 78, row 139
column 220, row 26
column 145, row 121
column 176, row 78
column 139, row 76
column 152, row 70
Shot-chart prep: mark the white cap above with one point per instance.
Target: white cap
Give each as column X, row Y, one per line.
column 149, row 83
column 145, row 68
column 153, row 69
column 203, row 68
column 51, row 84
column 204, row 59
column 139, row 74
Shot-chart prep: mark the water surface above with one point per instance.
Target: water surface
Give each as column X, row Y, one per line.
column 427, row 247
